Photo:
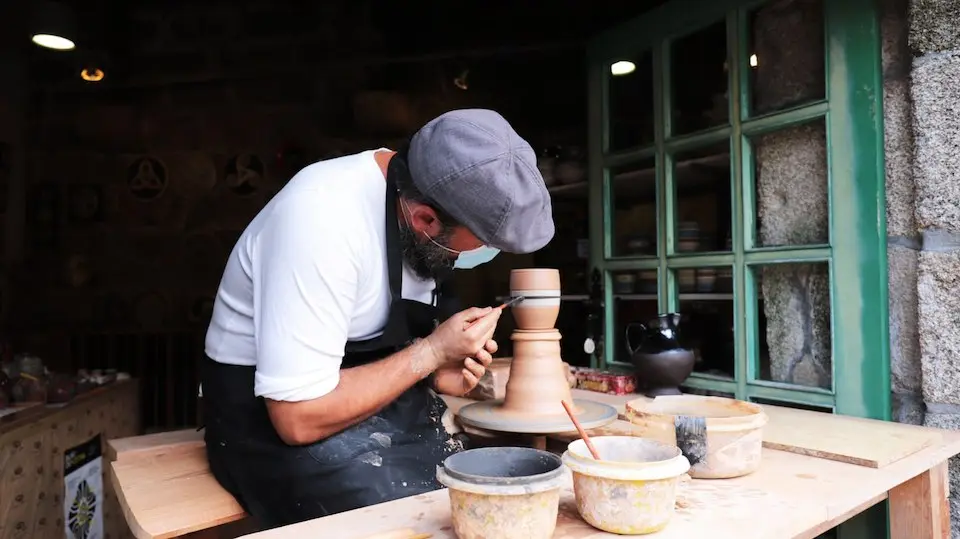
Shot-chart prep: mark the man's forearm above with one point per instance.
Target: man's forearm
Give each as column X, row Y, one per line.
column 362, row 392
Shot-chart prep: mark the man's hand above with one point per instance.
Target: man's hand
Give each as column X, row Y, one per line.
column 458, row 380
column 463, row 335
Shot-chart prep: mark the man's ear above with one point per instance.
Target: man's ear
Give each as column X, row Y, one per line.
column 424, row 220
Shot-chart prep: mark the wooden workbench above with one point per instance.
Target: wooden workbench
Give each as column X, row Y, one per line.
column 791, row 496
column 796, row 494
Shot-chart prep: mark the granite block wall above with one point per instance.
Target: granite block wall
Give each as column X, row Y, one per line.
column 934, row 47
column 903, row 238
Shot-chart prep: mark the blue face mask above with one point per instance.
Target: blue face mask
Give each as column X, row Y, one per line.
column 465, row 259
column 474, row 257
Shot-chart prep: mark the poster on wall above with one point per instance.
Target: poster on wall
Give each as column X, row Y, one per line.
column 83, row 490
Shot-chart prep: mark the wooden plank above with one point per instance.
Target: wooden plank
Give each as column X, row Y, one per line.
column 853, row 440
column 134, row 447
column 172, row 494
column 919, row 509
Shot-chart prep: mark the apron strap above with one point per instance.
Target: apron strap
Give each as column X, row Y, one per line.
column 396, row 167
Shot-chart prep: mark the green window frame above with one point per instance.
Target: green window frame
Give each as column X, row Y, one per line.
column 856, row 252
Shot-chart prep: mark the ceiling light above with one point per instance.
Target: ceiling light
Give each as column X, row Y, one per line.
column 623, row 67
column 52, row 25
column 754, row 62
column 51, row 41
column 92, row 74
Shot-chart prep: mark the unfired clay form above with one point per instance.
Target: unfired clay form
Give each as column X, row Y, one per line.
column 537, row 382
column 541, row 288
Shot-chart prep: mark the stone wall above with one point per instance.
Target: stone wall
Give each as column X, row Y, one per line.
column 934, row 41
column 903, row 238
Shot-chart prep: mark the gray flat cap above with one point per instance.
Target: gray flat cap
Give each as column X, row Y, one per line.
column 477, row 168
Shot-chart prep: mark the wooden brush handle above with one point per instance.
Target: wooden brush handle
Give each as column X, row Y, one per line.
column 583, row 433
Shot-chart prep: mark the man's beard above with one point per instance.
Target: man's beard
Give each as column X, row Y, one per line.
column 427, row 259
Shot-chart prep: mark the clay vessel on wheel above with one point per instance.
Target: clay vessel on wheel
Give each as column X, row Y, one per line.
column 541, row 288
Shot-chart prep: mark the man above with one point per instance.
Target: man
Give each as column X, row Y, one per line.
column 325, row 350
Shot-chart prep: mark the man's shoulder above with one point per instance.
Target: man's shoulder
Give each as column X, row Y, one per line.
column 326, row 205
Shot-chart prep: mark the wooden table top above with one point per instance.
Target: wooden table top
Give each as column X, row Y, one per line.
column 836, row 467
column 791, row 496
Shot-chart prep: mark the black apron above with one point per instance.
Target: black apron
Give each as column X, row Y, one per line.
column 391, row 455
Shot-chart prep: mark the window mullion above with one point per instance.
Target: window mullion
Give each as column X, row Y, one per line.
column 735, row 47
column 666, row 289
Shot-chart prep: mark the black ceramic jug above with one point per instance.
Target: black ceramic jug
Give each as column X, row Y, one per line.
column 661, row 360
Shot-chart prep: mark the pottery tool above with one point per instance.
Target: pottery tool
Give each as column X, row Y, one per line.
column 691, row 437
column 502, row 306
column 400, row 533
column 583, row 433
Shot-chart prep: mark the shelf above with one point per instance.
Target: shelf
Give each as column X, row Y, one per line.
column 564, row 297
column 572, row 190
column 643, row 297
column 707, row 296
column 631, row 183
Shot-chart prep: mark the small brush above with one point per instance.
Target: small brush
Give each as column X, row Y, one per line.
column 502, row 306
column 691, row 437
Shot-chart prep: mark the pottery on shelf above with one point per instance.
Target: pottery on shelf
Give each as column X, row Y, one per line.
column 687, row 278
column 688, row 236
column 661, row 359
column 540, row 288
column 706, row 279
column 537, row 384
column 570, row 166
column 624, row 283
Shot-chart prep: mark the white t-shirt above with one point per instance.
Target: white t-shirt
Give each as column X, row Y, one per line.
column 308, row 274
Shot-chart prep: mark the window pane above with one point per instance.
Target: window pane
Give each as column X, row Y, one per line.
column 698, row 80
column 793, row 308
column 787, row 65
column 570, row 323
column 702, row 181
column 633, row 195
column 790, row 174
column 707, row 323
column 630, row 114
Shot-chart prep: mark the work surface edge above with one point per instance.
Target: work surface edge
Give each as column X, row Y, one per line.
column 832, row 492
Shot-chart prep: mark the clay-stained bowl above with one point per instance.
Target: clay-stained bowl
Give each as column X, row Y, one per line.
column 541, row 290
column 733, row 437
column 503, row 492
column 632, row 489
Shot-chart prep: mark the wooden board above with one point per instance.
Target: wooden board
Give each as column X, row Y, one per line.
column 135, row 447
column 171, row 494
column 853, row 440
